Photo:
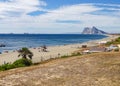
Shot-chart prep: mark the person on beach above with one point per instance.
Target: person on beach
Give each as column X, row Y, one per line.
column 44, row 48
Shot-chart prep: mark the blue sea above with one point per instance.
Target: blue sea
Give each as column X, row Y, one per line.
column 17, row 41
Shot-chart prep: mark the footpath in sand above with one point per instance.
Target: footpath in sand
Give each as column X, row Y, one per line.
column 53, row 51
column 101, row 69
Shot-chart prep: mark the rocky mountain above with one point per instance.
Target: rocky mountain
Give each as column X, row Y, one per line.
column 93, row 30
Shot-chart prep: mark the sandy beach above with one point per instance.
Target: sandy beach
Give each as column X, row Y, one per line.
column 53, row 51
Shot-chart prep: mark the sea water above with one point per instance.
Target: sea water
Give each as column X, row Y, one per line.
column 17, row 41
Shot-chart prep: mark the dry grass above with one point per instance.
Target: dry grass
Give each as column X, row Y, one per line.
column 99, row 69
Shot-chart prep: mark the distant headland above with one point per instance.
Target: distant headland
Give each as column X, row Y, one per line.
column 93, row 30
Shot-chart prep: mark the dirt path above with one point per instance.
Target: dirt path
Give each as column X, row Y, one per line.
column 101, row 69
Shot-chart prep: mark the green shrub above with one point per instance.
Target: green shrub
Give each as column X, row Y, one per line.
column 109, row 43
column 73, row 54
column 22, row 62
column 6, row 67
column 116, row 50
column 18, row 63
column 116, row 41
column 65, row 56
column 76, row 54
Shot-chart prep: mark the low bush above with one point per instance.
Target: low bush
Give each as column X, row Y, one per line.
column 116, row 50
column 65, row 56
column 76, row 54
column 73, row 54
column 116, row 41
column 6, row 67
column 18, row 63
column 22, row 62
column 108, row 43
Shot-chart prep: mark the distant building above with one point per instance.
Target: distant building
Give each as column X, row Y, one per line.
column 112, row 47
column 97, row 49
column 102, row 42
column 94, row 50
column 118, row 45
column 86, row 52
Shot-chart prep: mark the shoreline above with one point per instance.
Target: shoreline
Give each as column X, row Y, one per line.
column 33, row 44
column 53, row 51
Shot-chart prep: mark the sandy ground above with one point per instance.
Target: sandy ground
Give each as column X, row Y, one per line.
column 100, row 69
column 53, row 51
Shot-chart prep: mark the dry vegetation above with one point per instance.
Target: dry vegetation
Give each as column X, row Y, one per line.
column 99, row 69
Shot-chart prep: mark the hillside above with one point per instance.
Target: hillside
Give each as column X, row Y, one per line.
column 93, row 30
column 100, row 69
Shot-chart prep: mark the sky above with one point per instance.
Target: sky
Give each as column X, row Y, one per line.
column 58, row 16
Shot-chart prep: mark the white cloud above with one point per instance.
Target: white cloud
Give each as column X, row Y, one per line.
column 108, row 5
column 12, row 7
column 14, row 17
